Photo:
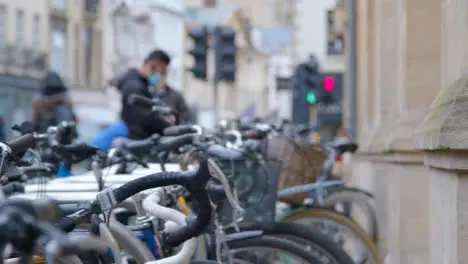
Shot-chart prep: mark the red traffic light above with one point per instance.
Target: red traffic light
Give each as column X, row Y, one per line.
column 329, row 84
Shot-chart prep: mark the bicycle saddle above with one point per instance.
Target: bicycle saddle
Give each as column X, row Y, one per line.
column 344, row 145
column 224, row 153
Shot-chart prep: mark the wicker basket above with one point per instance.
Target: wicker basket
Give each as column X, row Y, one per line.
column 300, row 164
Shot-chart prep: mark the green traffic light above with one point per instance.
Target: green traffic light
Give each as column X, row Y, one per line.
column 311, row 98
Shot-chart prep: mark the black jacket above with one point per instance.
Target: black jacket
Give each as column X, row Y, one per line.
column 176, row 101
column 141, row 122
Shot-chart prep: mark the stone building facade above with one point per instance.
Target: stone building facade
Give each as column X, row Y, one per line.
column 412, row 77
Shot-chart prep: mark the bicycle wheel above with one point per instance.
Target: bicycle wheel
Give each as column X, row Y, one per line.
column 315, row 216
column 325, row 250
column 204, row 262
column 352, row 196
column 243, row 251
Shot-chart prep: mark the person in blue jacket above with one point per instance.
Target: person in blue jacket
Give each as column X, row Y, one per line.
column 137, row 122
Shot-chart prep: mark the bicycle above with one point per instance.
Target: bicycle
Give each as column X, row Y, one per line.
column 190, row 180
column 319, row 198
column 281, row 229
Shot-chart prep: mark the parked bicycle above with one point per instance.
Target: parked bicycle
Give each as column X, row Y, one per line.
column 98, row 214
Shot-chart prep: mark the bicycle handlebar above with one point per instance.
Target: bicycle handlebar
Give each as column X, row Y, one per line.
column 173, row 143
column 22, row 227
column 182, row 129
column 22, row 143
column 193, row 181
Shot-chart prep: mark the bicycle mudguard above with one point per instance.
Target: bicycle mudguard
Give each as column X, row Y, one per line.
column 287, row 213
column 242, row 235
column 367, row 193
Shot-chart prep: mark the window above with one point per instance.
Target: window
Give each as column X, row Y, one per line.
column 3, row 26
column 125, row 36
column 283, row 83
column 58, row 4
column 88, row 53
column 19, row 28
column 36, row 32
column 210, row 3
column 91, row 6
column 330, row 17
column 58, row 53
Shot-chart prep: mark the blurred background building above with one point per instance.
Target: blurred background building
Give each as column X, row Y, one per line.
column 24, row 45
column 90, row 42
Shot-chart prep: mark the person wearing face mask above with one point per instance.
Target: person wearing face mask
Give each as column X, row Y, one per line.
column 136, row 122
column 141, row 123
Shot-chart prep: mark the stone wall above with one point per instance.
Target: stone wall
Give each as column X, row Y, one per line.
column 413, row 126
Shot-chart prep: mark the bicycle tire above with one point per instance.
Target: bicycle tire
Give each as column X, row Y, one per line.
column 339, row 219
column 362, row 199
column 299, row 233
column 204, row 262
column 274, row 243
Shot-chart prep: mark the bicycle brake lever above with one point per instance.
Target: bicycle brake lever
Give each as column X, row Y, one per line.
column 135, row 159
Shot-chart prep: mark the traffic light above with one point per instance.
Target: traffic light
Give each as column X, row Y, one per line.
column 225, row 53
column 332, row 88
column 199, row 52
column 310, row 77
column 311, row 97
column 328, row 84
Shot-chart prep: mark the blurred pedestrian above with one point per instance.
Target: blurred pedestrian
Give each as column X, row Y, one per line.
column 164, row 92
column 52, row 105
column 137, row 122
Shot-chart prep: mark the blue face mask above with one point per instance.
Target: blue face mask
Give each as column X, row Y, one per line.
column 154, row 79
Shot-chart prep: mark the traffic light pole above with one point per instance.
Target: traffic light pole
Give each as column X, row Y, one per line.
column 352, row 93
column 215, row 101
column 224, row 48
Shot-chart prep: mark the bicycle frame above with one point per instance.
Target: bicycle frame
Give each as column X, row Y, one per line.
column 199, row 248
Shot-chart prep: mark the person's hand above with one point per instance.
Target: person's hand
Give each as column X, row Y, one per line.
column 171, row 119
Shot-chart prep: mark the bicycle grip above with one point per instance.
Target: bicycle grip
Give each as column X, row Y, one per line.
column 197, row 226
column 179, row 130
column 173, row 143
column 155, row 180
column 22, row 143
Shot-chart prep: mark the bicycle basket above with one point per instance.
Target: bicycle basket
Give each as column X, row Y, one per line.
column 255, row 190
column 301, row 164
